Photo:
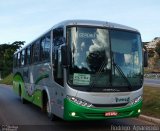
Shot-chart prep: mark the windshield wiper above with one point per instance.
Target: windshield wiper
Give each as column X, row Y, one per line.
column 98, row 74
column 123, row 75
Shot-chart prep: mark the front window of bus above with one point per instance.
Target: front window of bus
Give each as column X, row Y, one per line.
column 127, row 59
column 94, row 59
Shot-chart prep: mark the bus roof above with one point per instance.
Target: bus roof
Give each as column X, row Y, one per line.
column 95, row 23
column 84, row 23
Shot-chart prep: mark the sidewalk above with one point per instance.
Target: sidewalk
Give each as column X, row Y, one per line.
column 150, row 119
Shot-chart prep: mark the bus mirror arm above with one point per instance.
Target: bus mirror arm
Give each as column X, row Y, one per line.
column 145, row 58
column 65, row 56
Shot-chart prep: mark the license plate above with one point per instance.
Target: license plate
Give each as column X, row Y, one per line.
column 111, row 113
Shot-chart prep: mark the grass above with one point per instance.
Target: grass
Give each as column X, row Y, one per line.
column 151, row 101
column 151, row 98
column 8, row 80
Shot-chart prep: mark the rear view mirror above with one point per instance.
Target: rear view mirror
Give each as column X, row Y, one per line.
column 64, row 55
column 145, row 58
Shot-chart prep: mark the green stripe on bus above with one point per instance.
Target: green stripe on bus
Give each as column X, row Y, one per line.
column 36, row 97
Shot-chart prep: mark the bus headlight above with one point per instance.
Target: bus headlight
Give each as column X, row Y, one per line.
column 79, row 101
column 134, row 101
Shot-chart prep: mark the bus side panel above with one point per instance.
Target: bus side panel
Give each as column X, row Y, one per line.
column 18, row 82
column 19, row 85
column 37, row 100
column 39, row 79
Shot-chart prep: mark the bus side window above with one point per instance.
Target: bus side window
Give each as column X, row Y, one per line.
column 57, row 41
column 35, row 52
column 42, row 48
column 18, row 59
column 31, row 49
column 28, row 55
column 22, row 57
column 15, row 60
column 45, row 47
column 25, row 58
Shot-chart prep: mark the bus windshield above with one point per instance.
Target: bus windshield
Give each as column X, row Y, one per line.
column 104, row 59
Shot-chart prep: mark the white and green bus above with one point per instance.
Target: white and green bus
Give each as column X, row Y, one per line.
column 83, row 70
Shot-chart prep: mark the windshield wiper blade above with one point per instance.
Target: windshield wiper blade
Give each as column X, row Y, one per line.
column 123, row 75
column 98, row 74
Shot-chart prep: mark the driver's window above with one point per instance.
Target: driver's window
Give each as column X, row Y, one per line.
column 57, row 42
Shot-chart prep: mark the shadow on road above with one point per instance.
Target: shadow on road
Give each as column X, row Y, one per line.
column 69, row 126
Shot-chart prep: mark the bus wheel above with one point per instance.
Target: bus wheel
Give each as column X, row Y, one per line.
column 50, row 115
column 21, row 97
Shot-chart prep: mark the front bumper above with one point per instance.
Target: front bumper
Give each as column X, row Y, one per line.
column 90, row 113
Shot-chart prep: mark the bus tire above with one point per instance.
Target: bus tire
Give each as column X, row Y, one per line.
column 46, row 107
column 21, row 97
column 50, row 115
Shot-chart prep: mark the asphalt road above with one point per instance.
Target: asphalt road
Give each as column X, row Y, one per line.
column 152, row 82
column 27, row 117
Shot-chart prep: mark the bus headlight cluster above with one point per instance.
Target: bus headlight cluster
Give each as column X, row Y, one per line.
column 135, row 100
column 79, row 101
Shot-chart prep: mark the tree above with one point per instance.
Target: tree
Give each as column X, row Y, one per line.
column 157, row 49
column 6, row 56
column 150, row 53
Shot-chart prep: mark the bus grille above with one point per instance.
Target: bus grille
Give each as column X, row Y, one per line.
column 110, row 105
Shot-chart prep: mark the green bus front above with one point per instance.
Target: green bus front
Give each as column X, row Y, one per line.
column 104, row 79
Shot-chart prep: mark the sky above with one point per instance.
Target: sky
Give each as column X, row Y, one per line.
column 25, row 20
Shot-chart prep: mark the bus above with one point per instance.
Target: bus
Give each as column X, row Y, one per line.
column 83, row 70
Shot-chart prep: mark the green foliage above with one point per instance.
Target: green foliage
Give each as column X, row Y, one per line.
column 7, row 80
column 157, row 49
column 150, row 53
column 6, row 56
column 151, row 102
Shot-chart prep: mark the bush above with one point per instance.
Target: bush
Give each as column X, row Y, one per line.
column 7, row 80
column 150, row 53
column 157, row 49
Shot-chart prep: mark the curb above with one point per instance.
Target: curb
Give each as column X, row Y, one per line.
column 152, row 84
column 150, row 119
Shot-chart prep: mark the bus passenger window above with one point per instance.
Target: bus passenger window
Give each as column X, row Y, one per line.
column 22, row 57
column 42, row 49
column 45, row 47
column 18, row 60
column 15, row 61
column 36, row 52
column 28, row 55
